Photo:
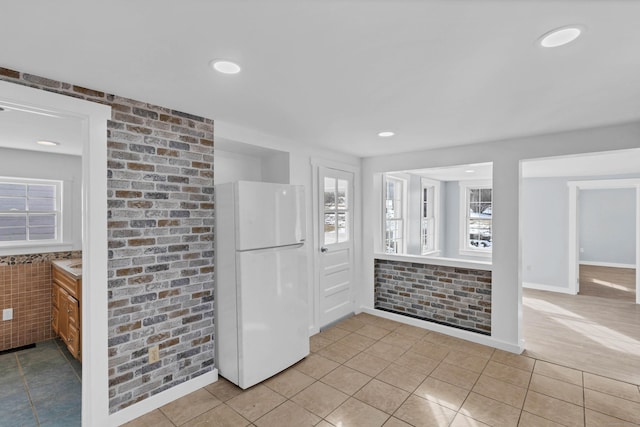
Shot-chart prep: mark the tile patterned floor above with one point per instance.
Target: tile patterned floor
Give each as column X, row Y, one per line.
column 369, row 371
column 40, row 387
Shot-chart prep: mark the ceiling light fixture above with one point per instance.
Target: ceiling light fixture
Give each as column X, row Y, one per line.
column 48, row 143
column 560, row 36
column 470, row 171
column 385, row 134
column 225, row 67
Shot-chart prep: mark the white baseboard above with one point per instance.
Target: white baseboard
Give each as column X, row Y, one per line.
column 154, row 402
column 549, row 288
column 454, row 332
column 607, row 264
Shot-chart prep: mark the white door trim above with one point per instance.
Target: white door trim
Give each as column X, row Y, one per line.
column 574, row 190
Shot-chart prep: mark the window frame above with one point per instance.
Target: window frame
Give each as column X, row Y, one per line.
column 402, row 219
column 433, row 188
column 465, row 189
column 58, row 212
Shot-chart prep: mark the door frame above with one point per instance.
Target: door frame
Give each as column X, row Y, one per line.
column 94, row 117
column 315, row 294
column 574, row 238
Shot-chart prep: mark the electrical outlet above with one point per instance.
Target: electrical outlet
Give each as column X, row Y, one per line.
column 7, row 314
column 154, row 354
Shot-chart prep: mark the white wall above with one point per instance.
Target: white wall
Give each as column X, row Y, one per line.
column 40, row 165
column 230, row 167
column 506, row 156
column 607, row 226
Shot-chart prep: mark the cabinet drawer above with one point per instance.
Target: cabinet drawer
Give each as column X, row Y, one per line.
column 66, row 282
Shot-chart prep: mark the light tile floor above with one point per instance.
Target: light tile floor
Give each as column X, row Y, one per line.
column 369, row 371
column 40, row 386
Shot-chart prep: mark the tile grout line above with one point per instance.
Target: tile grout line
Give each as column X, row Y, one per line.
column 28, row 391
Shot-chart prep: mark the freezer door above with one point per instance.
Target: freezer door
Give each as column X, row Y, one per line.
column 269, row 215
column 273, row 318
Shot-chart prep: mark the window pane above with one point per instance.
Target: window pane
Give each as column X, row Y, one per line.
column 40, row 220
column 330, row 228
column 474, row 195
column 12, row 190
column 42, row 204
column 343, row 188
column 8, row 204
column 343, row 227
column 42, row 233
column 329, row 194
column 13, row 233
column 485, row 195
column 480, row 233
column 13, row 221
column 42, row 191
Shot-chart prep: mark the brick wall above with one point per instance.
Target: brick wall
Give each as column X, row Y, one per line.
column 451, row 296
column 25, row 286
column 160, row 232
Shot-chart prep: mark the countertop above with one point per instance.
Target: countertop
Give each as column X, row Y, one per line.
column 71, row 266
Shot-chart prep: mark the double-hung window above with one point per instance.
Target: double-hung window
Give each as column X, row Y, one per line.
column 476, row 203
column 428, row 208
column 30, row 211
column 394, row 210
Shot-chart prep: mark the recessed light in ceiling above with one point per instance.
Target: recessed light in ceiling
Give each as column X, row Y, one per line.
column 224, row 66
column 48, row 143
column 470, row 171
column 560, row 36
column 385, row 134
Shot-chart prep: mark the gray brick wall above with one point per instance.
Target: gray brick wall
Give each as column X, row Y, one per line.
column 160, row 236
column 451, row 296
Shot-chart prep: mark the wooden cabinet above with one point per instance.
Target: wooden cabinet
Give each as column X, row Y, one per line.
column 66, row 310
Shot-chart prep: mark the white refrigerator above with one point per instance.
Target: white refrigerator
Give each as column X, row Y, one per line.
column 261, row 308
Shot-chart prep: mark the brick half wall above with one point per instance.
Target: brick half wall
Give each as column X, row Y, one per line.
column 451, row 296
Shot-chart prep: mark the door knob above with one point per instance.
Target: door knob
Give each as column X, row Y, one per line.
column 324, row 250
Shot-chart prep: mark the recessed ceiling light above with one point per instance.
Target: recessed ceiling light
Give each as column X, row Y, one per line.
column 385, row 134
column 560, row 36
column 470, row 171
column 225, row 67
column 48, row 143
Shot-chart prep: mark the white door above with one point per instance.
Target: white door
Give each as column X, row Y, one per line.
column 335, row 190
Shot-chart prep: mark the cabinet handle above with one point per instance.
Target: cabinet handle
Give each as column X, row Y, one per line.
column 69, row 340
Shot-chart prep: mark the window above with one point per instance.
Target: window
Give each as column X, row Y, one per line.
column 476, row 213
column 394, row 239
column 30, row 211
column 336, row 210
column 428, row 229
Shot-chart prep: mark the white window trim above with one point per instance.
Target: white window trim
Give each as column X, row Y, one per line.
column 405, row 181
column 435, row 203
column 463, row 209
column 40, row 245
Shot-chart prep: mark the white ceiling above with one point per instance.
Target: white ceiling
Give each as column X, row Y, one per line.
column 333, row 73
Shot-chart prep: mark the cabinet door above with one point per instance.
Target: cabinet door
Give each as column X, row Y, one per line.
column 54, row 319
column 73, row 341
column 63, row 314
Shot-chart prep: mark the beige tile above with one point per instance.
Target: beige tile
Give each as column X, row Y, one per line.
column 352, row 324
column 354, row 413
column 221, row 416
column 463, row 421
column 473, row 348
column 346, row 380
column 324, row 423
column 223, row 389
column 596, row 419
column 412, row 331
column 373, row 332
column 438, row 338
column 385, row 351
column 613, row 406
column 556, row 410
column 442, row 393
column 320, row 399
column 394, row 422
column 399, row 340
column 339, row 352
column 490, row 411
column 334, row 333
column 388, row 324
column 317, row 343
column 153, row 419
column 466, row 360
column 316, row 366
column 357, row 341
column 558, row 372
column 368, row 364
column 507, row 374
column 190, row 406
column 612, row 387
column 289, row 382
column 500, row 391
column 558, row 389
column 255, row 402
column 402, row 377
column 288, row 415
column 424, row 413
column 431, row 350
column 528, row 419
column 382, row 396
column 417, row 362
column 455, row 375
column 515, row 360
